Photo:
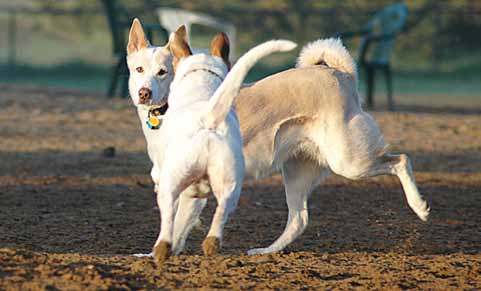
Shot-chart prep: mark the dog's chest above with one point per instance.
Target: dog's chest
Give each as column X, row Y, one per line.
column 154, row 138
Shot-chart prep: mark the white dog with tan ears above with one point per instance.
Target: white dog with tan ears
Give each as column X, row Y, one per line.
column 200, row 137
column 306, row 122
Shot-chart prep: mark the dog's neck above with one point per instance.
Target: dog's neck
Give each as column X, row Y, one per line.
column 196, row 86
column 143, row 113
column 206, row 70
column 196, row 80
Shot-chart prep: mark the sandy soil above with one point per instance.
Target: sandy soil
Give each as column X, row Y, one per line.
column 71, row 216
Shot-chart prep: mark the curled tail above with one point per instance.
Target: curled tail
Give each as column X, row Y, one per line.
column 330, row 52
column 221, row 102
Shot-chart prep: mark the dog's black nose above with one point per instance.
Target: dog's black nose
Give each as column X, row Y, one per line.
column 144, row 95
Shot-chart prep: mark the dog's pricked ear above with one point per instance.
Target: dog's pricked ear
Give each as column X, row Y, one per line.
column 179, row 48
column 137, row 38
column 220, row 47
column 181, row 31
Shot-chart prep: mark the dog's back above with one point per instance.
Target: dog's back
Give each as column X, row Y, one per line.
column 307, row 97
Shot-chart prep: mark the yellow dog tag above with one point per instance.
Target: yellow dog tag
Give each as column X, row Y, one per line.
column 153, row 122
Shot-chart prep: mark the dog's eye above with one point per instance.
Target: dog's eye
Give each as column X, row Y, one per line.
column 139, row 70
column 161, row 72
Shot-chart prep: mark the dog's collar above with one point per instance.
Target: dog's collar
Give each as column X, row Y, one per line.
column 158, row 110
column 154, row 114
column 203, row 69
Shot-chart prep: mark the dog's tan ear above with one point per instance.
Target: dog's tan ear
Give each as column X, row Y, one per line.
column 179, row 48
column 137, row 38
column 219, row 47
column 181, row 31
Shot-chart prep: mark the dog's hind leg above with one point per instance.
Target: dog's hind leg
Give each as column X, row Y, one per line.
column 400, row 166
column 188, row 211
column 300, row 177
column 358, row 151
column 227, row 198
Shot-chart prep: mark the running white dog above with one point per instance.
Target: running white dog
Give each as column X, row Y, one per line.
column 200, row 136
column 308, row 122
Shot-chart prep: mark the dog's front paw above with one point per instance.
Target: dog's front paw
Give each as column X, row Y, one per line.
column 258, row 251
column 162, row 251
column 423, row 211
column 211, row 246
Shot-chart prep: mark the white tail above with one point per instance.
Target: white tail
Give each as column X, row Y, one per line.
column 330, row 51
column 221, row 102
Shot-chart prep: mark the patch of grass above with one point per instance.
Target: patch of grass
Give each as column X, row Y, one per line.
column 417, row 87
column 72, row 75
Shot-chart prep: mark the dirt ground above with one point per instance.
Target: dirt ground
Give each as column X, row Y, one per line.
column 71, row 215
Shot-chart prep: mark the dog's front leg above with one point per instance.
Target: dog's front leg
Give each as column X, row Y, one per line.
column 155, row 174
column 163, row 246
column 300, row 177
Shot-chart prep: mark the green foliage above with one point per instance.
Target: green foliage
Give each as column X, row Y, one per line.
column 449, row 29
column 441, row 40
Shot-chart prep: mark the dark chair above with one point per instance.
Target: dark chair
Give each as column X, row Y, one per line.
column 119, row 22
column 377, row 40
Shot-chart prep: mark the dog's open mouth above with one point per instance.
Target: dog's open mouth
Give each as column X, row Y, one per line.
column 159, row 110
column 164, row 108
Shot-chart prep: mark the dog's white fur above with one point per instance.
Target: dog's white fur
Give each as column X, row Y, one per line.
column 153, row 60
column 308, row 122
column 330, row 51
column 200, row 136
